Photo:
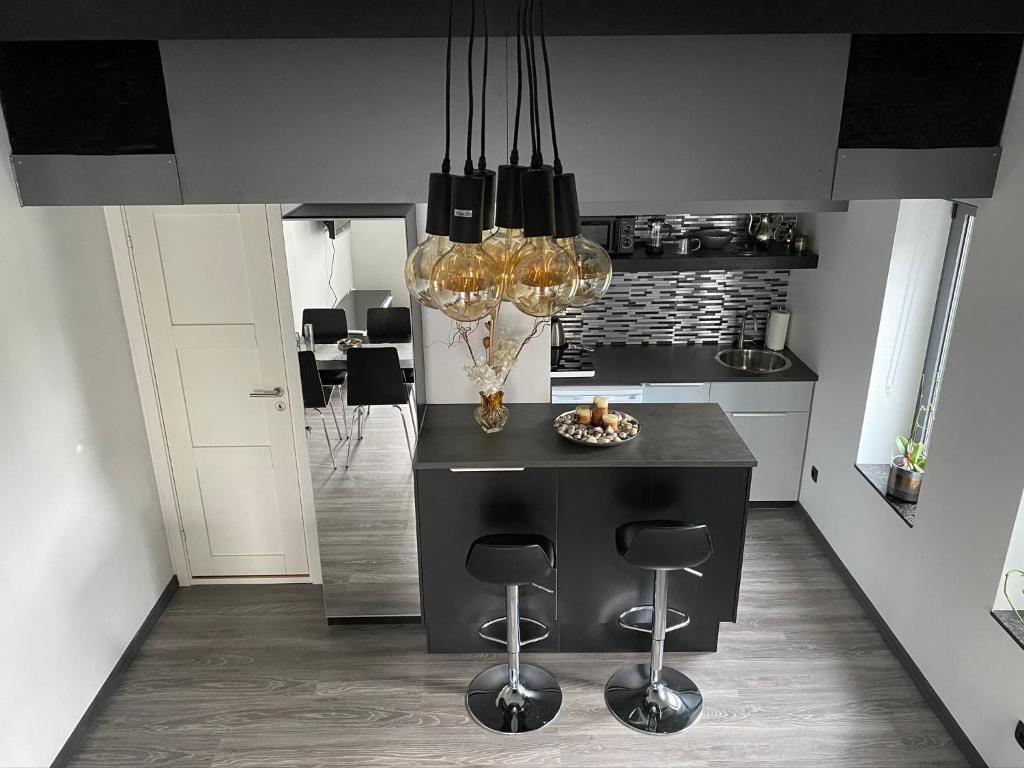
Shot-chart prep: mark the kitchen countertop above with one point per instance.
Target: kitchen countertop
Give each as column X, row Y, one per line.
column 672, row 435
column 619, row 365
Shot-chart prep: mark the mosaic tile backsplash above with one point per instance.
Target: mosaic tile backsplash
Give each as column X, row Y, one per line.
column 677, row 307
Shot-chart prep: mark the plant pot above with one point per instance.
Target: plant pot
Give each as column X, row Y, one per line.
column 491, row 414
column 904, row 484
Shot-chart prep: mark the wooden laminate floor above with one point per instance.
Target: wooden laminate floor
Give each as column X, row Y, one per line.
column 366, row 517
column 252, row 677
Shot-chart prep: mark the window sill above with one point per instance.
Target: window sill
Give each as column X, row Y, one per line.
column 877, row 476
column 1008, row 621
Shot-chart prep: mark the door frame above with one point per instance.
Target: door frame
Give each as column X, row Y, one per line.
column 127, row 283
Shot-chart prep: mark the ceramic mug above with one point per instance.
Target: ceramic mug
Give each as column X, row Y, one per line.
column 686, row 245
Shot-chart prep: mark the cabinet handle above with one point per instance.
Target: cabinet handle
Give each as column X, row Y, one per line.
column 486, row 469
column 760, row 413
column 678, row 384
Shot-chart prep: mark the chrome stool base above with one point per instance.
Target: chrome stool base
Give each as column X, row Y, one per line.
column 666, row 707
column 500, row 707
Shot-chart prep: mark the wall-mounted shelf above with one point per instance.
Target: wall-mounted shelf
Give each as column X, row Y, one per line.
column 725, row 259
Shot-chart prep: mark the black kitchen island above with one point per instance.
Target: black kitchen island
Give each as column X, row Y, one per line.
column 688, row 464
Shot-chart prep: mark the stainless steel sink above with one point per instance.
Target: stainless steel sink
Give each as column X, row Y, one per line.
column 754, row 360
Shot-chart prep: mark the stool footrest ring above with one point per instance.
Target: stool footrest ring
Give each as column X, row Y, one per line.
column 641, row 619
column 531, row 630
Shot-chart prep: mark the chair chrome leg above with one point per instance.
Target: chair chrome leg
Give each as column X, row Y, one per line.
column 358, row 426
column 327, row 435
column 653, row 698
column 408, row 442
column 513, row 697
column 336, row 426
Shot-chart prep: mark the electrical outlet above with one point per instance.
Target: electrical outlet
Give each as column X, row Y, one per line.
column 1019, row 734
column 814, row 473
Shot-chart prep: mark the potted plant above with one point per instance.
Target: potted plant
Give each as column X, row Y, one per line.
column 906, row 469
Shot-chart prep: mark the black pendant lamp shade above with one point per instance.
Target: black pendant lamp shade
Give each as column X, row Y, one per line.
column 539, row 202
column 439, row 204
column 509, row 212
column 487, row 217
column 567, row 206
column 467, row 202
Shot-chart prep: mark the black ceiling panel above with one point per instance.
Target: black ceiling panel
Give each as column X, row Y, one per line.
column 85, row 98
column 928, row 91
column 254, row 19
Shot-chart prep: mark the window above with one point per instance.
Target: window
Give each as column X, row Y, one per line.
column 926, row 269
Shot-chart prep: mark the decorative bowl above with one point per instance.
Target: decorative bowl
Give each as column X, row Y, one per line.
column 565, row 425
column 715, row 239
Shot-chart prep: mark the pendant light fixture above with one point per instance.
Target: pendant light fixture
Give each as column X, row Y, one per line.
column 543, row 276
column 466, row 281
column 419, row 266
column 537, row 258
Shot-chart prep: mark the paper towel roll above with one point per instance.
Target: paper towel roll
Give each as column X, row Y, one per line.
column 778, row 326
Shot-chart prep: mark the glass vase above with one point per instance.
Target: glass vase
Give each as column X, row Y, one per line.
column 491, row 414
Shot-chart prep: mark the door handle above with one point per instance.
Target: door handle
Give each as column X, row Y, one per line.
column 275, row 392
column 486, row 469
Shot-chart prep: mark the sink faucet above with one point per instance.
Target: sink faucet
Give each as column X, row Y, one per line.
column 747, row 313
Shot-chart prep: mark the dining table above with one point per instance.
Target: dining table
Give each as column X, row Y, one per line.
column 330, row 357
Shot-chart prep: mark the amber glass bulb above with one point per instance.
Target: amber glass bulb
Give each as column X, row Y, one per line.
column 501, row 245
column 466, row 282
column 594, row 266
column 543, row 278
column 420, row 266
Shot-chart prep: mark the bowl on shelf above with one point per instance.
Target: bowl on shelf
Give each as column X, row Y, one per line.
column 715, row 239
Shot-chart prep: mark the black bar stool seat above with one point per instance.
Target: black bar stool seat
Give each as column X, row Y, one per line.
column 512, row 697
column 653, row 698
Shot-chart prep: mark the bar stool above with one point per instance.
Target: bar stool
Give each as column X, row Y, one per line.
column 651, row 697
column 512, row 697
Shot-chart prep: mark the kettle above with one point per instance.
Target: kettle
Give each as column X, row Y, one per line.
column 764, row 232
column 558, row 342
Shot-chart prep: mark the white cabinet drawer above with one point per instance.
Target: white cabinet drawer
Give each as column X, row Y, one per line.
column 677, row 393
column 777, row 442
column 762, row 395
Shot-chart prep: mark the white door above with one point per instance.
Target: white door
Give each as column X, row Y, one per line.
column 207, row 288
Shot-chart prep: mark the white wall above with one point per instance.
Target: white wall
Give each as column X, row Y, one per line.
column 446, row 380
column 932, row 584
column 83, row 556
column 378, row 257
column 308, row 250
column 918, row 249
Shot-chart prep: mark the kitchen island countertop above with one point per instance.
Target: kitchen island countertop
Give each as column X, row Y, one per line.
column 672, row 435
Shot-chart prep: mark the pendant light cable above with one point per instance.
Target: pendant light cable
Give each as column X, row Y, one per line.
column 482, row 162
column 513, row 157
column 531, row 57
column 446, row 163
column 547, row 77
column 468, row 169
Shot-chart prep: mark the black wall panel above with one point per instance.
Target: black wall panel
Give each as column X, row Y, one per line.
column 928, row 91
column 85, row 98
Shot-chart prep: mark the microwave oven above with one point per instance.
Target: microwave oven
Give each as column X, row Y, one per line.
column 613, row 233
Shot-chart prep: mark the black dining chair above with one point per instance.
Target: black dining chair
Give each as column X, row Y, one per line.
column 317, row 395
column 375, row 378
column 329, row 327
column 388, row 325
